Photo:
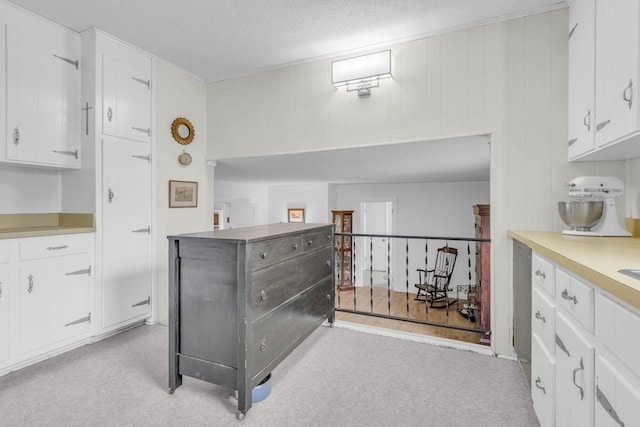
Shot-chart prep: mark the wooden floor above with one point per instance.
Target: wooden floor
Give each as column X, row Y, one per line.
column 398, row 307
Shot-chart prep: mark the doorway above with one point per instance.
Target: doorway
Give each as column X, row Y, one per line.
column 377, row 263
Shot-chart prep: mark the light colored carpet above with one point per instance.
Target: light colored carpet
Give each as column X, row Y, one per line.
column 337, row 377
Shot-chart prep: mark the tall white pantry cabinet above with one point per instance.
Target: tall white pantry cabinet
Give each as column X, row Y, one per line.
column 115, row 180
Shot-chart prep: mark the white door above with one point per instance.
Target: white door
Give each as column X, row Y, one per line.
column 126, row 245
column 4, row 312
column 53, row 289
column 574, row 375
column 126, row 100
column 377, row 220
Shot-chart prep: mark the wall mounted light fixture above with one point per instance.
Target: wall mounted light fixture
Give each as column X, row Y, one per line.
column 362, row 72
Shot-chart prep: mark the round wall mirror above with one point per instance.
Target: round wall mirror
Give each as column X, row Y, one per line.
column 182, row 131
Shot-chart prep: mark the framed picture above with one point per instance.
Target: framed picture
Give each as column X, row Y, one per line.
column 183, row 194
column 296, row 215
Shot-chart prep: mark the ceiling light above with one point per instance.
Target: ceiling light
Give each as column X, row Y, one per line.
column 361, row 73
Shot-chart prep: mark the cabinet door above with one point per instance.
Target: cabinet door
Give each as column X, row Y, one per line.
column 617, row 396
column 54, row 300
column 543, row 391
column 126, row 246
column 126, row 92
column 617, row 69
column 4, row 313
column 581, row 77
column 43, row 95
column 574, row 375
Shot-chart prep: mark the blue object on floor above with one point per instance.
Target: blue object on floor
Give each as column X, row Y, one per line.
column 262, row 390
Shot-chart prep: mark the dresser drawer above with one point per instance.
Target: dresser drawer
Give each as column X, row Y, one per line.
column 274, row 285
column 52, row 246
column 5, row 251
column 278, row 332
column 543, row 274
column 543, row 320
column 276, row 250
column 575, row 297
column 317, row 240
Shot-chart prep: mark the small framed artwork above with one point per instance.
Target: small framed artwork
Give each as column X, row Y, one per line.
column 183, row 194
column 296, row 214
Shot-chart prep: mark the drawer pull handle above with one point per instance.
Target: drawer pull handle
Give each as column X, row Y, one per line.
column 565, row 295
column 79, row 272
column 575, row 371
column 329, row 297
column 587, row 120
column 81, row 320
column 263, row 345
column 30, row 287
column 328, row 263
column 263, row 295
column 294, row 246
column 328, row 236
column 110, row 195
column 538, row 382
column 57, row 248
column 263, row 255
column 541, row 274
column 16, row 136
column 540, row 317
column 109, row 114
column 560, row 344
column 607, row 406
column 310, row 242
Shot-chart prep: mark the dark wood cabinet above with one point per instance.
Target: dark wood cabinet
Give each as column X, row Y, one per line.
column 483, row 265
column 240, row 300
column 343, row 250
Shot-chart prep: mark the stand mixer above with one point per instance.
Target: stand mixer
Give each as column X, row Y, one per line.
column 599, row 188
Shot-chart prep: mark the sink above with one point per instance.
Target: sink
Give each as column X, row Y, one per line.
column 631, row 273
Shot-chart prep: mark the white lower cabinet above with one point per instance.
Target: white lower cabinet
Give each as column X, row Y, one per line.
column 574, row 374
column 595, row 370
column 48, row 306
column 543, row 388
column 617, row 395
column 4, row 302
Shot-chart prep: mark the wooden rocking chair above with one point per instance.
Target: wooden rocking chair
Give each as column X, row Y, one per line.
column 433, row 286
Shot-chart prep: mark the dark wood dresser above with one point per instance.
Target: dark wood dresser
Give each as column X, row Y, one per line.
column 241, row 300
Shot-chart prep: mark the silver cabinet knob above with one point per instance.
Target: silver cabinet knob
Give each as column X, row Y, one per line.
column 263, row 345
column 263, row 255
column 263, row 295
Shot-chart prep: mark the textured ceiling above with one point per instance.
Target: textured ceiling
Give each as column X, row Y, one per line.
column 219, row 39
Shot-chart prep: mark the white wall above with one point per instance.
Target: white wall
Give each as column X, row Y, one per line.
column 313, row 198
column 420, row 209
column 507, row 79
column 178, row 94
column 29, row 190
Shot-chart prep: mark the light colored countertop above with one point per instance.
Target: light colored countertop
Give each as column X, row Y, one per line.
column 47, row 224
column 596, row 259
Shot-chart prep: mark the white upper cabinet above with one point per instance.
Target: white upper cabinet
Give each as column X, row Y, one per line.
column 617, row 70
column 126, row 96
column 43, row 95
column 611, row 127
column 582, row 36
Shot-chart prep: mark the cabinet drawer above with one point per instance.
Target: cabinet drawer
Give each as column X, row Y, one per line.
column 274, row 285
column 543, row 391
column 576, row 297
column 52, row 246
column 273, row 251
column 5, row 251
column 543, row 319
column 277, row 333
column 618, row 329
column 317, row 240
column 543, row 274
